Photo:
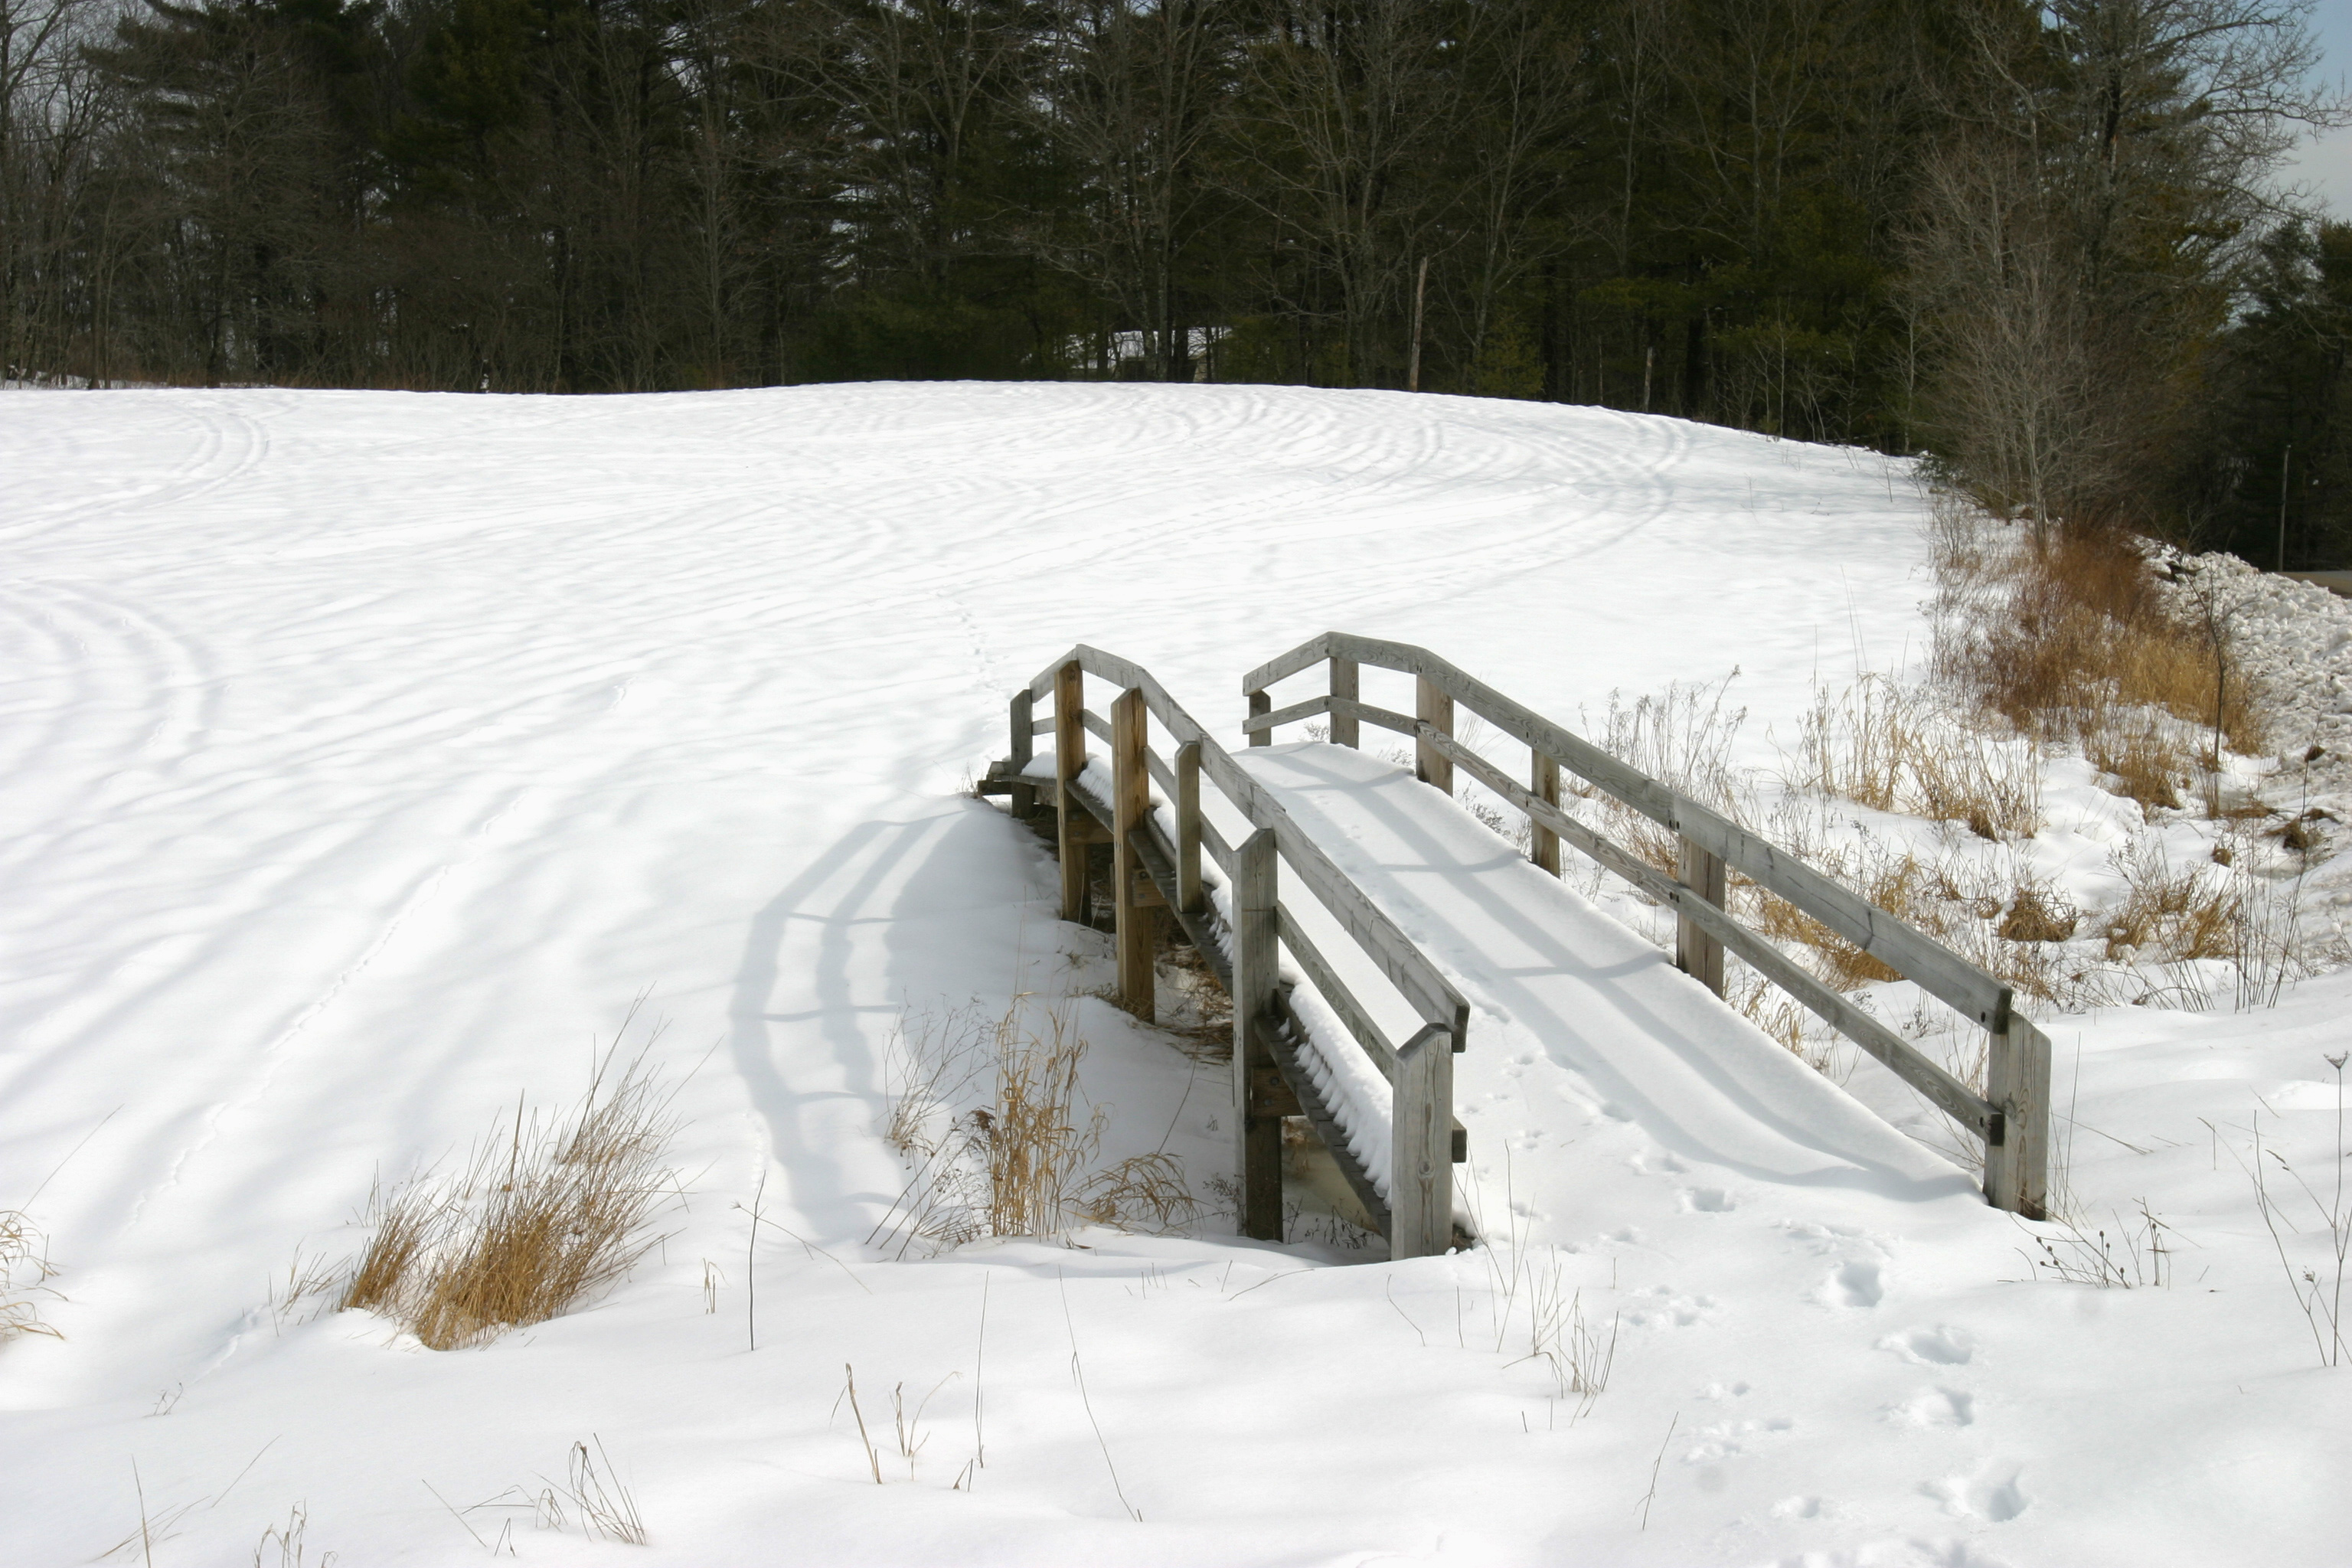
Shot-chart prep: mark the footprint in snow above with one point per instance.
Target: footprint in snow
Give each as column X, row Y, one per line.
column 1854, row 1284
column 1935, row 1407
column 1942, row 1345
column 1706, row 1200
column 1991, row 1493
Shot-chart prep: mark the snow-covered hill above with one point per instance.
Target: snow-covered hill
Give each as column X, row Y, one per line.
column 364, row 756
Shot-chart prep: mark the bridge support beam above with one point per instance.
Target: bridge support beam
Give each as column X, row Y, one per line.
column 1543, row 782
column 1346, row 685
column 1138, row 924
column 1698, row 954
column 1257, row 1128
column 1432, row 706
column 1069, row 762
column 1421, row 1145
column 2017, row 1081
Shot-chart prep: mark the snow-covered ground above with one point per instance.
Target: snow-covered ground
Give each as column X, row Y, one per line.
column 364, row 756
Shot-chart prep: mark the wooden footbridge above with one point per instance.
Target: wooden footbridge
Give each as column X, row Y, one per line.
column 1295, row 1030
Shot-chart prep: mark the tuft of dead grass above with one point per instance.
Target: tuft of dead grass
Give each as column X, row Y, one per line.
column 2055, row 636
column 25, row 1274
column 2170, row 913
column 1028, row 1162
column 1895, row 748
column 544, row 1213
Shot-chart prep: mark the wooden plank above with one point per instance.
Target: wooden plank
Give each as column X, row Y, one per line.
column 1256, row 972
column 1069, row 761
column 1219, row 850
column 1024, row 751
column 1421, row 1146
column 1259, row 724
column 1910, row 951
column 1260, row 707
column 1907, row 1062
column 1313, row 651
column 1371, row 715
column 2017, row 1081
column 1096, row 725
column 1201, row 926
column 1344, row 688
column 1543, row 782
column 1434, row 706
column 1161, row 773
column 1421, row 982
column 1696, row 954
column 1336, row 994
column 1137, row 927
column 1186, row 796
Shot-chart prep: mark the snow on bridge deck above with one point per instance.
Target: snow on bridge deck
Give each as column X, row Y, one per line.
column 1583, row 1037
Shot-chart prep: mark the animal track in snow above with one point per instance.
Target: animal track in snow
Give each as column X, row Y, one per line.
column 1991, row 1493
column 1935, row 1407
column 1854, row 1284
column 1942, row 1345
column 1706, row 1200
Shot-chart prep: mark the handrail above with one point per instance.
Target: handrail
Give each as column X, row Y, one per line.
column 2012, row 1116
column 1424, row 1141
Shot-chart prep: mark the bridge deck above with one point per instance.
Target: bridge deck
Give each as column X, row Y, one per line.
column 1584, row 1034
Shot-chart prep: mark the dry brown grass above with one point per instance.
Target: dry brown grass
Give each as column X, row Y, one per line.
column 2144, row 754
column 1893, row 748
column 25, row 1274
column 2171, row 913
column 545, row 1212
column 1029, row 1162
column 2055, row 638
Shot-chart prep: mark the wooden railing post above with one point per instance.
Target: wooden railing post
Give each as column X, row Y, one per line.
column 1698, row 954
column 1023, row 797
column 1345, row 685
column 1069, row 762
column 1432, row 706
column 1421, row 1146
column 1137, row 924
column 1188, row 829
column 2017, row 1082
column 1259, row 702
column 1257, row 1136
column 1543, row 782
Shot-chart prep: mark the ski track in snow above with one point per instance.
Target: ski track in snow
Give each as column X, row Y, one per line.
column 364, row 755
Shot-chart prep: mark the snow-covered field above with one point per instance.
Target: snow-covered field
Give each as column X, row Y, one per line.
column 364, row 756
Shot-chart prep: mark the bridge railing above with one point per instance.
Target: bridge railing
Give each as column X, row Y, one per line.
column 2012, row 1116
column 1152, row 867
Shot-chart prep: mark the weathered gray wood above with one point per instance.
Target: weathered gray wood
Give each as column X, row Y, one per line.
column 1929, row 1078
column 1023, row 795
column 1186, row 798
column 1260, row 707
column 1069, row 762
column 1260, row 725
column 2017, row 1081
column 1138, row 926
column 1434, row 706
column 1161, row 773
column 1910, row 951
column 1368, row 714
column 1421, row 1146
column 1310, row 652
column 1543, row 782
column 1425, row 987
column 1696, row 954
column 1336, row 994
column 1219, row 850
column 1345, row 679
column 1097, row 726
column 1256, row 972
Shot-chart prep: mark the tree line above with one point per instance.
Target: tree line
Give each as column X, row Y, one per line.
column 2042, row 241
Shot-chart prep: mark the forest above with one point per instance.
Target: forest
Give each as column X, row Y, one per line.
column 2045, row 244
